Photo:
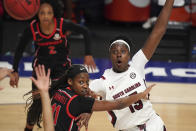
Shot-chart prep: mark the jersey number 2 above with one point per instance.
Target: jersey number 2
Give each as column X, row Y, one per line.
column 52, row 50
column 55, row 110
column 138, row 105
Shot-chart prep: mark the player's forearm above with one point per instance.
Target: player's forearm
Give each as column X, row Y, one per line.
column 2, row 76
column 24, row 40
column 165, row 14
column 87, row 42
column 118, row 103
column 87, row 39
column 127, row 101
column 47, row 111
column 4, row 72
column 163, row 18
column 158, row 30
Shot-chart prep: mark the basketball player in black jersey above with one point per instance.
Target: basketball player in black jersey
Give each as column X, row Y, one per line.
column 71, row 97
column 49, row 33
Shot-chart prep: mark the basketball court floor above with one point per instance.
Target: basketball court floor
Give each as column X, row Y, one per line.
column 174, row 101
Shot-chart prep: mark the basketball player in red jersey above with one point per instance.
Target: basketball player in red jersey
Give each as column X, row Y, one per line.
column 51, row 49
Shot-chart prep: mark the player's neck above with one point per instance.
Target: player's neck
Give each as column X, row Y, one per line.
column 120, row 71
column 47, row 28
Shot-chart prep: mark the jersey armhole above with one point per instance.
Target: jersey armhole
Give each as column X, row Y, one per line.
column 32, row 30
column 61, row 28
column 67, row 108
column 102, row 77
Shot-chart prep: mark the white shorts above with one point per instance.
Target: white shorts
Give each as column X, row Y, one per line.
column 155, row 123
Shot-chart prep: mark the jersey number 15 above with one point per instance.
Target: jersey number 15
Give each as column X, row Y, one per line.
column 137, row 105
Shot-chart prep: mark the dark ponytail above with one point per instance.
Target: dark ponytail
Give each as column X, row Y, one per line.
column 61, row 83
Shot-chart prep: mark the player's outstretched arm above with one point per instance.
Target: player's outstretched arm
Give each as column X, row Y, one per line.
column 42, row 83
column 89, row 62
column 88, row 58
column 158, row 30
column 23, row 42
column 120, row 103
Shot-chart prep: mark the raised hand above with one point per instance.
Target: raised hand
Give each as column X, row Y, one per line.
column 14, row 78
column 43, row 80
column 90, row 63
column 83, row 120
column 146, row 92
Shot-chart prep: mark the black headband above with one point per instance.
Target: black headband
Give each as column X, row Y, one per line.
column 76, row 69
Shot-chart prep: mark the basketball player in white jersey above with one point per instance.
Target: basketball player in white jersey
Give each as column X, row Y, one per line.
column 126, row 78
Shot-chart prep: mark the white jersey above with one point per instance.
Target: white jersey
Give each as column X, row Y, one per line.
column 114, row 85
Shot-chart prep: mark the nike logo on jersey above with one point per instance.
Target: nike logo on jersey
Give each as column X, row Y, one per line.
column 82, row 68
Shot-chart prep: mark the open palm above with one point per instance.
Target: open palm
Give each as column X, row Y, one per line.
column 43, row 80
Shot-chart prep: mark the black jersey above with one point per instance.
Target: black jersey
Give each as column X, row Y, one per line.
column 53, row 48
column 66, row 106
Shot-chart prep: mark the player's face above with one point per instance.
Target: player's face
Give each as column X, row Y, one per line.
column 119, row 55
column 80, row 84
column 45, row 14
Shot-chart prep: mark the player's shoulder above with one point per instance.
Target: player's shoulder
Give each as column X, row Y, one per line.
column 33, row 25
column 64, row 20
column 139, row 56
column 34, row 21
column 107, row 73
column 67, row 92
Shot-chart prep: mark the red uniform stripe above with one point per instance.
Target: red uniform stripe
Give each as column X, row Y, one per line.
column 102, row 77
column 61, row 27
column 33, row 32
column 67, row 108
column 114, row 118
column 64, row 92
column 44, row 36
column 71, row 124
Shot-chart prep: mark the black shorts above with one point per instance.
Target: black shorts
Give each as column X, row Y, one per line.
column 57, row 69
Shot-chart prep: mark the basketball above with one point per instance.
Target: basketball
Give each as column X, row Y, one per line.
column 22, row 9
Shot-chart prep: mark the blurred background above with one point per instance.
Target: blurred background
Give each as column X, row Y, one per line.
column 109, row 18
